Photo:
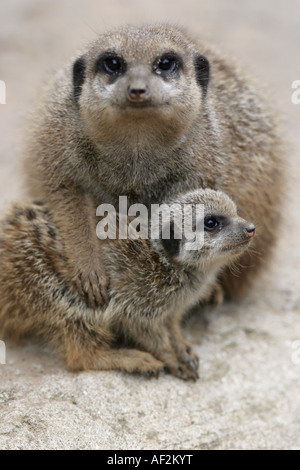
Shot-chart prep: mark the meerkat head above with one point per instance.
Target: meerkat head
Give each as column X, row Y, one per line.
column 140, row 81
column 212, row 235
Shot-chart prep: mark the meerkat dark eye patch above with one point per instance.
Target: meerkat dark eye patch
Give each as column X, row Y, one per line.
column 172, row 244
column 202, row 72
column 168, row 64
column 78, row 77
column 111, row 64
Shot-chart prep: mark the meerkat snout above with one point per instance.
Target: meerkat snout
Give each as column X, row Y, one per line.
column 251, row 229
column 138, row 92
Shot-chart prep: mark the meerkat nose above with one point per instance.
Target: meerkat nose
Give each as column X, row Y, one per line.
column 138, row 94
column 251, row 230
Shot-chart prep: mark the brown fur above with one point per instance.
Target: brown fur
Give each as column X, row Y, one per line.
column 151, row 289
column 82, row 154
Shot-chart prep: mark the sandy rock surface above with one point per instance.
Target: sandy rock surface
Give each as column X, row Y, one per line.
column 248, row 395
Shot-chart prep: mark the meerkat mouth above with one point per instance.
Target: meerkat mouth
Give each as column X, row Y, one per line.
column 144, row 105
column 236, row 246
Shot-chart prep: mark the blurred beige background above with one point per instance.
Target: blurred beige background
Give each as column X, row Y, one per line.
column 248, row 395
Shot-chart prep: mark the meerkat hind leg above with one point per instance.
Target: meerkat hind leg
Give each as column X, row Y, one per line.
column 106, row 358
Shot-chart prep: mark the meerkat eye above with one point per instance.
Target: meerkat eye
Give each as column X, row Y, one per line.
column 168, row 63
column 111, row 64
column 211, row 224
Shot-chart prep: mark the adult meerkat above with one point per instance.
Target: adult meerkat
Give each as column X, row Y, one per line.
column 152, row 284
column 148, row 113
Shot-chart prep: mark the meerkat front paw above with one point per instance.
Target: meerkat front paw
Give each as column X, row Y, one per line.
column 185, row 369
column 187, row 356
column 182, row 370
column 92, row 286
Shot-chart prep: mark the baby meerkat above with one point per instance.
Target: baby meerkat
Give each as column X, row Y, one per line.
column 152, row 284
column 148, row 113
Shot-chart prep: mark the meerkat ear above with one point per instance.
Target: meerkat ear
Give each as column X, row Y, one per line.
column 172, row 244
column 78, row 77
column 202, row 72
